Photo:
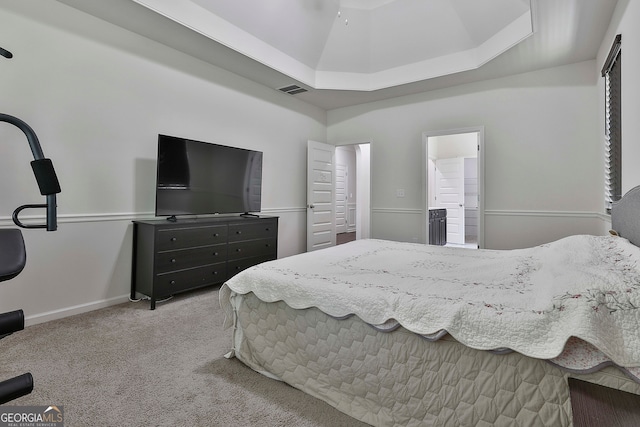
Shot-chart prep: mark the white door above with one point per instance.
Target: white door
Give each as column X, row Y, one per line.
column 341, row 198
column 450, row 195
column 321, row 229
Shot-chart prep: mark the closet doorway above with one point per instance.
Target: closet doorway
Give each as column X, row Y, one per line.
column 355, row 193
column 453, row 181
column 352, row 192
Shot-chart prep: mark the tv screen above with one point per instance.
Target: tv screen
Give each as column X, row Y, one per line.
column 197, row 178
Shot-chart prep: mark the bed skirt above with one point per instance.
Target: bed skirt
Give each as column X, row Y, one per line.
column 399, row 378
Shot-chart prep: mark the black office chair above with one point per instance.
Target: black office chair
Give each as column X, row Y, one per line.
column 12, row 250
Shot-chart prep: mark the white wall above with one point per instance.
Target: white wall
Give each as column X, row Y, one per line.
column 363, row 167
column 543, row 153
column 97, row 96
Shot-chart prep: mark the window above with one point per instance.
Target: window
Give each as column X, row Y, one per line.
column 613, row 124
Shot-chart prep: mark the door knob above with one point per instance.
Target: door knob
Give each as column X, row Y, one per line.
column 310, row 206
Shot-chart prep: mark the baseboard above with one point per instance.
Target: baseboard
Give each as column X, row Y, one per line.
column 71, row 311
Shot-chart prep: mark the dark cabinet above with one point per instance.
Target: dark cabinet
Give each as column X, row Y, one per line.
column 438, row 227
column 169, row 258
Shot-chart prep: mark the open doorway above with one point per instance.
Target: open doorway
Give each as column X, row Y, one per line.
column 352, row 192
column 321, row 190
column 453, row 187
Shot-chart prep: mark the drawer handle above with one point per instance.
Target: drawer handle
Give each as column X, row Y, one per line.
column 215, row 273
column 215, row 234
column 173, row 239
column 215, row 254
column 173, row 260
column 267, row 244
column 173, row 282
column 266, row 229
column 239, row 232
column 238, row 250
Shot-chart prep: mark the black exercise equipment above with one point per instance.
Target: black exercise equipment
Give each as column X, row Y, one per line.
column 12, row 251
column 44, row 173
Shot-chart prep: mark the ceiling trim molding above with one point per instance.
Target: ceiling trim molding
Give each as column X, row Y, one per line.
column 514, row 33
column 200, row 20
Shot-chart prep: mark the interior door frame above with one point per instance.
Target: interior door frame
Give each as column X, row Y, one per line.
column 329, row 224
column 363, row 191
column 363, row 204
column 425, row 177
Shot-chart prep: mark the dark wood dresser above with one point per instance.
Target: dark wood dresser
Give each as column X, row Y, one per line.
column 172, row 257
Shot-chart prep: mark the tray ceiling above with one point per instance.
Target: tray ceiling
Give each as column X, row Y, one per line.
column 347, row 52
column 358, row 45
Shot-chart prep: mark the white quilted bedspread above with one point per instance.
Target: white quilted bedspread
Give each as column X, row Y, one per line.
column 527, row 300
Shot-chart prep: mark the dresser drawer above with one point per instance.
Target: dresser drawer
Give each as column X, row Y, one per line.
column 170, row 283
column 236, row 266
column 181, row 259
column 178, row 238
column 248, row 231
column 252, row 248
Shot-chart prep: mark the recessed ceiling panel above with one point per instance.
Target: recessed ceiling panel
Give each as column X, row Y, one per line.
column 330, row 44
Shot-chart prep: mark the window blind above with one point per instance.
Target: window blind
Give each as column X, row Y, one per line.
column 613, row 123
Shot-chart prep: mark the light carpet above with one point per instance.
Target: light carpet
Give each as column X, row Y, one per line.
column 127, row 365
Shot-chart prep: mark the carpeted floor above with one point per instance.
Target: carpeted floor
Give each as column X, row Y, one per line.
column 127, row 365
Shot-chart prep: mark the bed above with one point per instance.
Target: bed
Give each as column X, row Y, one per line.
column 406, row 334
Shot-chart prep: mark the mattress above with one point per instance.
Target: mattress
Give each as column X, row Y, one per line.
column 399, row 378
column 531, row 300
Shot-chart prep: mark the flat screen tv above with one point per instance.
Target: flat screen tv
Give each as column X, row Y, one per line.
column 199, row 178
